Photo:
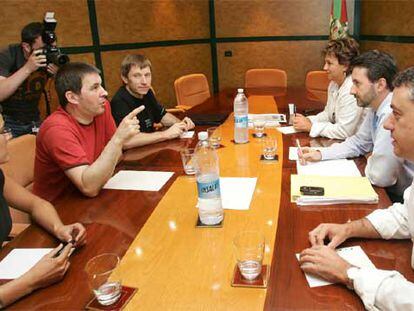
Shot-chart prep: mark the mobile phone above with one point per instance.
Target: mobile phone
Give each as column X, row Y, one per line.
column 311, row 190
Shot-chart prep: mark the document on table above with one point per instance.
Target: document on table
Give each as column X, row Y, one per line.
column 138, row 180
column 293, row 152
column 188, row 134
column 271, row 119
column 237, row 192
column 286, row 129
column 342, row 167
column 338, row 190
column 355, row 255
column 20, row 260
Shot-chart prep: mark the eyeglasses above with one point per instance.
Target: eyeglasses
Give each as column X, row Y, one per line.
column 6, row 132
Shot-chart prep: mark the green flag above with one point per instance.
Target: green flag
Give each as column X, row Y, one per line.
column 339, row 20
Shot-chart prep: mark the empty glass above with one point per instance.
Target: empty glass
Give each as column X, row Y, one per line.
column 269, row 147
column 187, row 156
column 249, row 250
column 214, row 136
column 98, row 269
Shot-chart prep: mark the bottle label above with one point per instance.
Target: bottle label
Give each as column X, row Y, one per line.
column 241, row 121
column 208, row 190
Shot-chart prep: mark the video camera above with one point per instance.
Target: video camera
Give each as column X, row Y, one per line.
column 52, row 52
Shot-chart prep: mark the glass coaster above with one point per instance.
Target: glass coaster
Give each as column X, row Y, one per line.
column 275, row 158
column 126, row 294
column 255, row 136
column 260, row 282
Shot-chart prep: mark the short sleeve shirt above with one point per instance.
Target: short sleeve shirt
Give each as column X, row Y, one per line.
column 64, row 143
column 123, row 103
column 22, row 105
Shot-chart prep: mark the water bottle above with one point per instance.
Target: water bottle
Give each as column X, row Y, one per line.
column 210, row 210
column 241, row 110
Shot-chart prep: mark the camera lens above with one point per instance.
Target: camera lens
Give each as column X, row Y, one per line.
column 62, row 59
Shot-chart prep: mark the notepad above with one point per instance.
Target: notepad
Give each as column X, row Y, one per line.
column 20, row 260
column 188, row 134
column 355, row 255
column 286, row 130
column 341, row 167
column 338, row 190
column 271, row 119
column 138, row 180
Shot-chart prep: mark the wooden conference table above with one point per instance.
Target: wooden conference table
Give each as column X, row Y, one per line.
column 176, row 266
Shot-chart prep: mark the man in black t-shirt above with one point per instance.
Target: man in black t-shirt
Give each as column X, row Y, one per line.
column 136, row 91
column 21, row 83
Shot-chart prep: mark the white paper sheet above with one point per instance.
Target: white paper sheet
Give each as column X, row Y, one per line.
column 188, row 134
column 21, row 260
column 237, row 193
column 286, row 130
column 293, row 152
column 355, row 255
column 138, row 180
column 341, row 167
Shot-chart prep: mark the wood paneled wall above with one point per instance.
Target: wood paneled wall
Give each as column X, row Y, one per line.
column 295, row 57
column 393, row 19
column 168, row 64
column 135, row 22
column 252, row 18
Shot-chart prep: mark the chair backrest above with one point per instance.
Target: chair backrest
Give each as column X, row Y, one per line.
column 316, row 84
column 191, row 90
column 20, row 167
column 265, row 78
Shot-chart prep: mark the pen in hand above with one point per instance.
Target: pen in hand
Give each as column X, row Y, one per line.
column 300, row 153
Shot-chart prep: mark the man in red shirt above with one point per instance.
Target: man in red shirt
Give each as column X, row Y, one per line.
column 79, row 143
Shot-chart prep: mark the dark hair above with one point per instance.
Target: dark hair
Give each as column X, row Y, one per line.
column 378, row 64
column 345, row 50
column 31, row 31
column 406, row 78
column 131, row 60
column 69, row 78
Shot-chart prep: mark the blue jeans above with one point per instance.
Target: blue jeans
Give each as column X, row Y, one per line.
column 19, row 128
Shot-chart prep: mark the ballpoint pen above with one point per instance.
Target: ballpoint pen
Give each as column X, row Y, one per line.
column 300, row 153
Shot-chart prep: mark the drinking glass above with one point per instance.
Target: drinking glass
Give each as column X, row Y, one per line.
column 259, row 127
column 214, row 136
column 187, row 156
column 98, row 269
column 249, row 249
column 269, row 147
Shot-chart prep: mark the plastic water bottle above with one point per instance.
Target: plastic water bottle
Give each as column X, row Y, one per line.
column 241, row 110
column 210, row 210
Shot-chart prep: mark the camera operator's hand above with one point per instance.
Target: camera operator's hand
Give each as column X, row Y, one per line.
column 35, row 61
column 52, row 69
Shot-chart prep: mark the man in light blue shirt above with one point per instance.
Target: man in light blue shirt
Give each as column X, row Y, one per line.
column 372, row 75
column 378, row 289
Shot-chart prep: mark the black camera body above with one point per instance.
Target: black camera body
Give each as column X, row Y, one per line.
column 50, row 50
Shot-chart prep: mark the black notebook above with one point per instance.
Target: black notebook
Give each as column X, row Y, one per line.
column 208, row 118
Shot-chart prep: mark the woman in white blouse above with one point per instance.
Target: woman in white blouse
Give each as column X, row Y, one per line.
column 341, row 116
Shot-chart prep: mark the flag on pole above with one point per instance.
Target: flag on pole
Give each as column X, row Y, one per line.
column 339, row 20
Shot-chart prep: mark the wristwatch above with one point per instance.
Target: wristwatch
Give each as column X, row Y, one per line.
column 352, row 274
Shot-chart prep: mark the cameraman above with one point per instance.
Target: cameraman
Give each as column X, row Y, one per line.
column 21, row 83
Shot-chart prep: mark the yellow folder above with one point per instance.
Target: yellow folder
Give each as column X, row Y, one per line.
column 338, row 190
